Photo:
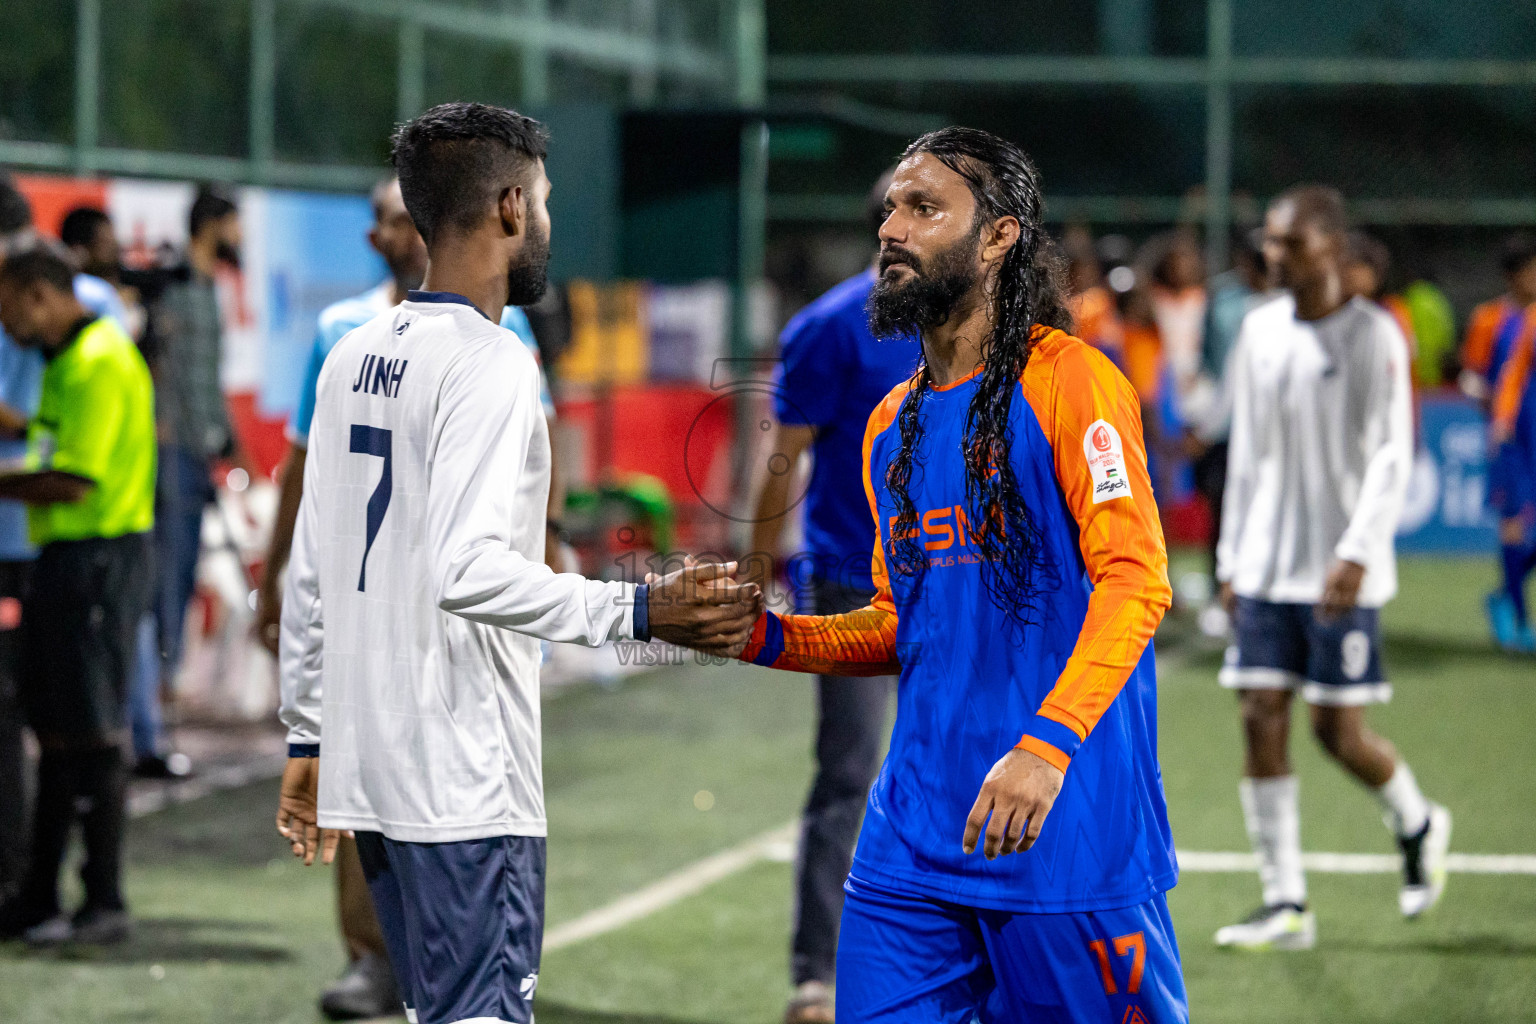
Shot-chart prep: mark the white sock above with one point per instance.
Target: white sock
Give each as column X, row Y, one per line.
column 1404, row 803
column 1271, row 810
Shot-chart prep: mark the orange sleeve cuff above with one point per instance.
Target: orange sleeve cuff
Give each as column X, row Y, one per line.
column 1050, row 755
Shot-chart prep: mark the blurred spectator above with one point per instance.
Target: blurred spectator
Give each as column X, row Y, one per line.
column 1232, row 295
column 1147, row 370
column 1494, row 324
column 1367, row 263
column 21, row 376
column 1434, row 327
column 1421, row 310
column 1093, row 303
column 89, row 482
column 1178, row 307
column 87, row 233
column 185, row 342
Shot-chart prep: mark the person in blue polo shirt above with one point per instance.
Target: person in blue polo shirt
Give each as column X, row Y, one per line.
column 832, row 375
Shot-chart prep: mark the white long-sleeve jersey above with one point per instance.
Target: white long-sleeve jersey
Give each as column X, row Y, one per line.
column 417, row 591
column 1321, row 451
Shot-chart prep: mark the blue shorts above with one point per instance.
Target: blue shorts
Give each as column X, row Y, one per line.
column 905, row 959
column 1285, row 647
column 464, row 923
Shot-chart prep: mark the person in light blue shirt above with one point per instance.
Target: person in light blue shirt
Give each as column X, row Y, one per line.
column 367, row 988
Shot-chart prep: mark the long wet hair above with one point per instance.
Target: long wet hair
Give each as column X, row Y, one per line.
column 1029, row 294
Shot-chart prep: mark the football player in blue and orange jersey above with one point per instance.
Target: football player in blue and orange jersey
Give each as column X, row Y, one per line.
column 1015, row 850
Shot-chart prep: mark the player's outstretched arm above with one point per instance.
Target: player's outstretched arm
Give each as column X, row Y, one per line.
column 857, row 643
column 488, row 412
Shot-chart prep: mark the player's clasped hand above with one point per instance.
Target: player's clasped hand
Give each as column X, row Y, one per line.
column 701, row 606
column 1018, row 793
column 298, row 814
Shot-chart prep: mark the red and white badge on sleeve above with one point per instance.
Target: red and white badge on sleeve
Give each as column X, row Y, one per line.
column 1106, row 462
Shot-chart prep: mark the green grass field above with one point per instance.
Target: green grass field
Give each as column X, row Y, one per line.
column 233, row 931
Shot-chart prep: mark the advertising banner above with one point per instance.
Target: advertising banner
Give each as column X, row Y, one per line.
column 1445, row 510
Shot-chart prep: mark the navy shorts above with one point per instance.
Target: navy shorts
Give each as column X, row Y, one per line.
column 1286, row 647
column 464, row 923
column 906, row 959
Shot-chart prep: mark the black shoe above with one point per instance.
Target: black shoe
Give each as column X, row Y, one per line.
column 367, row 989
column 17, row 918
column 101, row 926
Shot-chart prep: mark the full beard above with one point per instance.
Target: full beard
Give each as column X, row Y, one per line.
column 926, row 301
column 528, row 278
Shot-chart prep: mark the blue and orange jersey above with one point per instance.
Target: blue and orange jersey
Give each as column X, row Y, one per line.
column 1075, row 685
column 1483, row 327
column 1511, row 490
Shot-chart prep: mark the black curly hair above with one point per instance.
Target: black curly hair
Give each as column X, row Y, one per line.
column 1028, row 294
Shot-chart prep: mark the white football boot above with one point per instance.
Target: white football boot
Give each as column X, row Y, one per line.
column 1424, row 859
column 1285, row 926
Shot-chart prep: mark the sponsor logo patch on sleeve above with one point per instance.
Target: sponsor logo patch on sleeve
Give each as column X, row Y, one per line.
column 1106, row 462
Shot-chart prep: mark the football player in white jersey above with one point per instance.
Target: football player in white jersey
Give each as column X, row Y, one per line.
column 1318, row 463
column 417, row 587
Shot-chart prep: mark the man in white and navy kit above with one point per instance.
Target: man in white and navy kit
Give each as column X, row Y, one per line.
column 1320, row 452
column 418, row 595
column 367, row 988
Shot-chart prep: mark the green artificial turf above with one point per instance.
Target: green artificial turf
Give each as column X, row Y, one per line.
column 231, row 930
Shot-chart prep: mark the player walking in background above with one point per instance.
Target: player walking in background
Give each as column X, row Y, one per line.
column 1008, row 483
column 833, row 372
column 1320, row 452
column 1512, row 432
column 417, row 584
column 1493, row 343
column 1489, row 327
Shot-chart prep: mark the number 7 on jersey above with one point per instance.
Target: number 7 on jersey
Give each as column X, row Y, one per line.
column 374, row 441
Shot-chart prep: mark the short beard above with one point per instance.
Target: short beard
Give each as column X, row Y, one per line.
column 528, row 278
column 926, row 301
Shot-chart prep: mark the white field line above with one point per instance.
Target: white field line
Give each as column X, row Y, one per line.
column 779, row 845
column 1360, row 863
column 668, row 890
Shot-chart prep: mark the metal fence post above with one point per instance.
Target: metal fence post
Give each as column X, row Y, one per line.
column 263, row 85
column 87, row 83
column 1218, row 134
column 536, row 58
column 410, row 70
